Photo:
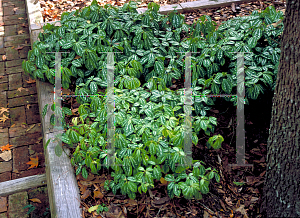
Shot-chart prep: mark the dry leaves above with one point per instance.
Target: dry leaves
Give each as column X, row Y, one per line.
column 19, row 47
column 35, row 200
column 29, row 81
column 20, row 18
column 2, row 110
column 21, row 32
column 6, row 147
column 34, row 162
column 4, row 118
column 4, row 57
column 30, row 128
column 15, row 9
column 28, row 106
column 21, row 88
column 6, row 155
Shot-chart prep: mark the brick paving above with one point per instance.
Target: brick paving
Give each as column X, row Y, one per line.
column 23, row 128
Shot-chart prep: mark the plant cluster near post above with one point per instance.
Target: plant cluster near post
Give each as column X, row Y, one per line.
column 150, row 51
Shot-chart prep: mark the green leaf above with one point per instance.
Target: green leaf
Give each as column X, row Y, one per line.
column 159, row 67
column 93, row 88
column 169, row 177
column 226, row 86
column 252, row 42
column 239, row 183
column 66, row 139
column 47, row 143
column 217, row 177
column 58, row 150
column 39, row 62
column 176, row 20
column 157, row 173
column 132, row 186
column 67, row 110
column 45, row 109
column 84, row 173
column 74, row 136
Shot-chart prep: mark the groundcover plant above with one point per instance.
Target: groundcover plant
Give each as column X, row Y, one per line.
column 149, row 117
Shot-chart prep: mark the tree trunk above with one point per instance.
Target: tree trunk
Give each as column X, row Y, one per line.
column 282, row 185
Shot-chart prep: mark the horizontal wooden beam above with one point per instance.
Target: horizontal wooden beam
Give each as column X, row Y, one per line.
column 193, row 6
column 22, row 184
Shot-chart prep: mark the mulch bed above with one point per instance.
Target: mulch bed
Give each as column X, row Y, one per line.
column 225, row 199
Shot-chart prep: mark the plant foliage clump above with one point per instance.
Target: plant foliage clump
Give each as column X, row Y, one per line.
column 149, row 51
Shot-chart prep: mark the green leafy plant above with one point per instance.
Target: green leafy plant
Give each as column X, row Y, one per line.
column 150, row 120
column 148, row 142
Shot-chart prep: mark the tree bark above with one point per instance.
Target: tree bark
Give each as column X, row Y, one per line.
column 282, row 185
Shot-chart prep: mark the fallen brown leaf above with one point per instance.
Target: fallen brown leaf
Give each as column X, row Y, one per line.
column 28, row 106
column 30, row 128
column 34, row 162
column 12, row 125
column 36, row 200
column 3, row 57
column 20, row 18
column 3, row 109
column 29, row 81
column 98, row 194
column 15, row 9
column 6, row 147
column 19, row 47
column 21, row 32
column 21, row 88
column 4, row 118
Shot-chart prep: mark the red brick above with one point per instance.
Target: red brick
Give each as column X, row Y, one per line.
column 3, row 86
column 16, row 204
column 31, row 172
column 23, row 53
column 10, row 30
column 32, row 114
column 26, row 78
column 20, row 158
column 15, row 4
column 12, row 70
column 36, row 149
column 11, row 54
column 15, row 81
column 25, row 29
column 3, row 79
column 3, row 100
column 8, row 11
column 14, row 17
column 27, row 139
column 26, row 91
column 6, row 176
column 14, row 63
column 3, row 136
column 31, row 99
column 2, row 71
column 3, row 204
column 14, row 22
column 5, row 166
column 16, row 37
column 20, row 11
column 17, row 42
column 20, row 131
column 17, row 115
